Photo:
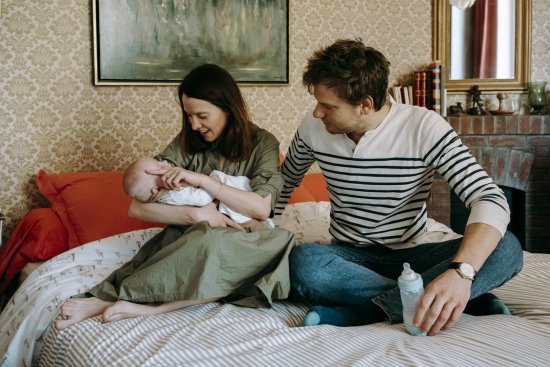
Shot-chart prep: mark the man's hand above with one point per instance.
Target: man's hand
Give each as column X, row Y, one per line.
column 210, row 213
column 443, row 302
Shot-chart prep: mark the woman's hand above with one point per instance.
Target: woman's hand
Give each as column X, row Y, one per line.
column 180, row 215
column 176, row 177
column 210, row 213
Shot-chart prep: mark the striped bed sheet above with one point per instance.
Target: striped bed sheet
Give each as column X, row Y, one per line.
column 216, row 335
column 223, row 334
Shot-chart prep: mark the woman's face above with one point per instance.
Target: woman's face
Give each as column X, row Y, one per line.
column 205, row 118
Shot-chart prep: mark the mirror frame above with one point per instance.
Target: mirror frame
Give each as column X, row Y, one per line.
column 522, row 62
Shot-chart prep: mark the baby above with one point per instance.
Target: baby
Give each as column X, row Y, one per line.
column 148, row 188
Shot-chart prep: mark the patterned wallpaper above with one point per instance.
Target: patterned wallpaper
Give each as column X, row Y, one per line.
column 53, row 118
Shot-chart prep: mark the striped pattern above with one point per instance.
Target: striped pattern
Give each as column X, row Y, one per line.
column 378, row 189
column 214, row 335
column 528, row 294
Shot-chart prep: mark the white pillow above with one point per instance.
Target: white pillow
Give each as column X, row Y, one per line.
column 308, row 220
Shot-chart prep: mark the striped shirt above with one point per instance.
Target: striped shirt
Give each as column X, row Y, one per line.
column 378, row 187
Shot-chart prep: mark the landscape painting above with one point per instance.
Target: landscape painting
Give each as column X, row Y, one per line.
column 159, row 41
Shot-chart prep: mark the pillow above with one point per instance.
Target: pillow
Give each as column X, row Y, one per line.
column 44, row 235
column 91, row 205
column 301, row 195
column 38, row 236
column 309, row 221
column 312, row 188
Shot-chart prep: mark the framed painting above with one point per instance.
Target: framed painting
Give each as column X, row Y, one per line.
column 155, row 42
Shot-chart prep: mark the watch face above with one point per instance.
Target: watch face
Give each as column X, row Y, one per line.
column 467, row 270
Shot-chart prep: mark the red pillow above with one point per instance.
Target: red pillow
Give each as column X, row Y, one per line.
column 38, row 236
column 91, row 205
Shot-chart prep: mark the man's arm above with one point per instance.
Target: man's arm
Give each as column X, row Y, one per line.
column 296, row 164
column 446, row 296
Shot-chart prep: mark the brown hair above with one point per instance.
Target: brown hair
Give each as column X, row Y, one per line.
column 353, row 70
column 214, row 84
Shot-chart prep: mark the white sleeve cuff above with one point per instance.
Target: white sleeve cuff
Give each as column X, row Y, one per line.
column 491, row 214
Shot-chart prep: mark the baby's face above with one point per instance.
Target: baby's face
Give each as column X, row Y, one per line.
column 146, row 188
column 148, row 185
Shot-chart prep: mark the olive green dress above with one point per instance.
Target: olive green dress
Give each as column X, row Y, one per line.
column 201, row 262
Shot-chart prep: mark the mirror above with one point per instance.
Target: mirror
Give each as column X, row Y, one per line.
column 488, row 45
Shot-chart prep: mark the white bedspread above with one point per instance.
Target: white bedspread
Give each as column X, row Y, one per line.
column 37, row 301
column 215, row 334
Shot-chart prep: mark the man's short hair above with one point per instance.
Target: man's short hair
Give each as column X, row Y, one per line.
column 351, row 69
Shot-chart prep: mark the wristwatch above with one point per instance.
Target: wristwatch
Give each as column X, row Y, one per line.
column 465, row 270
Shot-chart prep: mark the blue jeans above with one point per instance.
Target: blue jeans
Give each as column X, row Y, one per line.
column 342, row 274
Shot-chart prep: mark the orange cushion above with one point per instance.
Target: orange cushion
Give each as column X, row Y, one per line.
column 300, row 195
column 91, row 205
column 312, row 188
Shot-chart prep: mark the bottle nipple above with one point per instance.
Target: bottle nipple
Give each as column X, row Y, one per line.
column 408, row 273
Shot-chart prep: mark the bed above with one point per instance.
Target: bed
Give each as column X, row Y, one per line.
column 224, row 334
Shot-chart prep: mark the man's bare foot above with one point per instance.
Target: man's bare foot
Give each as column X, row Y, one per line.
column 77, row 309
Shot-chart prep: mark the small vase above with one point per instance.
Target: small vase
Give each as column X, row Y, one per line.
column 537, row 97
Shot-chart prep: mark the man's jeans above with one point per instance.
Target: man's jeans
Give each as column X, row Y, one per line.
column 344, row 275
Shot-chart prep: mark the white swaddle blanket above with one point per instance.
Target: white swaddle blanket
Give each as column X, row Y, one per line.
column 199, row 197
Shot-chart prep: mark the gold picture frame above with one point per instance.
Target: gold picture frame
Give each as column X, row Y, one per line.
column 522, row 61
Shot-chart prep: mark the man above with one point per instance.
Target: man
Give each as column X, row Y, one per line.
column 379, row 159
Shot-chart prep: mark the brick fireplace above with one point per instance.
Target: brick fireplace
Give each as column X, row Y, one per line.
column 515, row 152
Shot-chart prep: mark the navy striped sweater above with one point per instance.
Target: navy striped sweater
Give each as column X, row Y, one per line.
column 379, row 187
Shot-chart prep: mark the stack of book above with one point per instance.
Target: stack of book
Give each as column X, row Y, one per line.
column 427, row 90
column 403, row 94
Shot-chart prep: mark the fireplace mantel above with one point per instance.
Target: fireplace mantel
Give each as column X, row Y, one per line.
column 485, row 136
column 501, row 125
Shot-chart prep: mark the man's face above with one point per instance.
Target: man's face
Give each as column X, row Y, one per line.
column 339, row 116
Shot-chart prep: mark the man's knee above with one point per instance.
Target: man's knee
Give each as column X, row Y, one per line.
column 302, row 257
column 306, row 263
column 512, row 248
column 508, row 254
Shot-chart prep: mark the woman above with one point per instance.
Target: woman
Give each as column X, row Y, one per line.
column 202, row 255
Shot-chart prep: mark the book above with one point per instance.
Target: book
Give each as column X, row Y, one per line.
column 443, row 93
column 397, row 94
column 435, row 67
column 405, row 95
column 422, row 80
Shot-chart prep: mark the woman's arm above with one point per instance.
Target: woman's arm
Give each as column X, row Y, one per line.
column 179, row 215
column 243, row 202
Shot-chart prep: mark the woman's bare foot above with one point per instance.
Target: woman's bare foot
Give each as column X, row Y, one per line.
column 77, row 309
column 121, row 310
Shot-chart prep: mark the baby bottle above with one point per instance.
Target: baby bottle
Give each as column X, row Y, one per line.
column 411, row 288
